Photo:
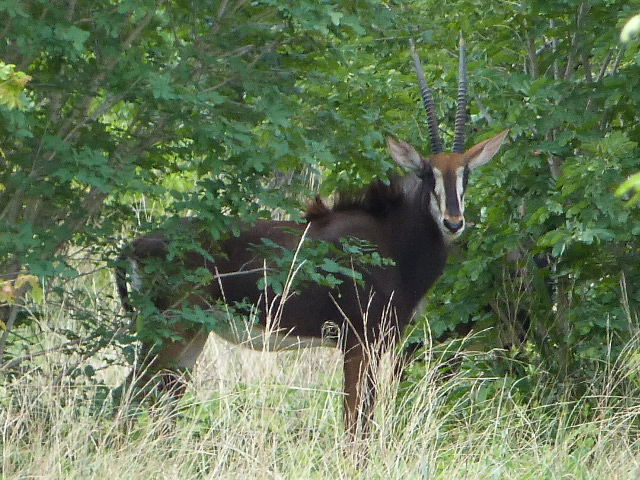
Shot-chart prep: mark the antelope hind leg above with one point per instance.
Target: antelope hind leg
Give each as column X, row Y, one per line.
column 168, row 369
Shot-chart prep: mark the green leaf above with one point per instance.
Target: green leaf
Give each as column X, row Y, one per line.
column 161, row 87
column 331, row 266
column 335, row 17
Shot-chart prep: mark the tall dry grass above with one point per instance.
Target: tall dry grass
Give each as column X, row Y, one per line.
column 252, row 415
column 258, row 415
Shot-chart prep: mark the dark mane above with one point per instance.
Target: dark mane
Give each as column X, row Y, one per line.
column 377, row 199
column 316, row 210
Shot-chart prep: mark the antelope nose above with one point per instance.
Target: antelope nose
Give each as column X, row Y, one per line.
column 453, row 227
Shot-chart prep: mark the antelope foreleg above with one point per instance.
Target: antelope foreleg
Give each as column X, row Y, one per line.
column 359, row 390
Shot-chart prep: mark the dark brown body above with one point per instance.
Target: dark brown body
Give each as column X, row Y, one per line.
column 410, row 221
column 370, row 315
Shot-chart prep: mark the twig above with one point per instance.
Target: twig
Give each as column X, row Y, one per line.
column 79, row 341
column 68, row 370
column 218, row 276
column 616, row 64
column 554, row 161
column 586, row 65
column 533, row 60
column 605, row 64
column 483, row 110
column 554, row 49
column 614, row 70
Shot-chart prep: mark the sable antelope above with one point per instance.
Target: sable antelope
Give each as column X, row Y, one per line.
column 411, row 221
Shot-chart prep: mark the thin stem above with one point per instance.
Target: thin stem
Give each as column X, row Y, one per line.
column 576, row 40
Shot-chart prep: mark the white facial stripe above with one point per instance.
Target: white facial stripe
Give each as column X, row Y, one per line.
column 439, row 193
column 436, row 213
column 460, row 188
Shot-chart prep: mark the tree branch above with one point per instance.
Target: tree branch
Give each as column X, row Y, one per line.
column 72, row 343
column 576, row 40
column 554, row 49
column 533, row 59
column 605, row 65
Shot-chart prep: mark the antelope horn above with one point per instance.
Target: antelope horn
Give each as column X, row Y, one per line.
column 427, row 100
column 461, row 114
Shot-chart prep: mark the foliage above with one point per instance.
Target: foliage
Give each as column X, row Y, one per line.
column 551, row 259
column 12, row 84
column 192, row 106
column 630, row 31
column 237, row 109
column 9, row 290
column 319, row 262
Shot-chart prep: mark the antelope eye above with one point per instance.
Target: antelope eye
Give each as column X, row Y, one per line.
column 428, row 177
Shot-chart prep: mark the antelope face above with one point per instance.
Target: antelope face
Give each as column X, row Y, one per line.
column 446, row 175
column 449, row 175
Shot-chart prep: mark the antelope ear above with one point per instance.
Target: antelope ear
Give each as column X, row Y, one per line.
column 405, row 155
column 484, row 151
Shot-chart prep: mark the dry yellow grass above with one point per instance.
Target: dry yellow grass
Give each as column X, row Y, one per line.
column 278, row 416
column 255, row 415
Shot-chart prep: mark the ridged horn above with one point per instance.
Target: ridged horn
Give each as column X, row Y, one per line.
column 461, row 114
column 427, row 100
